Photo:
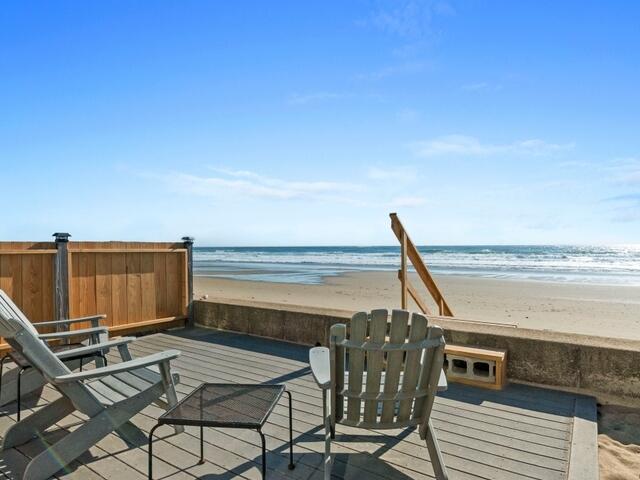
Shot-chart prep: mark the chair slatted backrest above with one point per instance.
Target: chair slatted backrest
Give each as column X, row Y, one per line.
column 23, row 337
column 393, row 369
column 12, row 309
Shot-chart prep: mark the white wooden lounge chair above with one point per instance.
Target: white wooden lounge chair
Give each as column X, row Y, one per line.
column 73, row 353
column 109, row 396
column 377, row 381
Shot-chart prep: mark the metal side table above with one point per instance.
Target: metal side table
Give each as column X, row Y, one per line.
column 227, row 405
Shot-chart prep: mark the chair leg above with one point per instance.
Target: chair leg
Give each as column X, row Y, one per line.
column 327, row 443
column 19, row 395
column 36, row 423
column 170, row 390
column 4, row 359
column 100, row 359
column 332, row 427
column 435, row 454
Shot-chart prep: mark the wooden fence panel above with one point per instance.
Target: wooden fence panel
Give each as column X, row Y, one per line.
column 118, row 289
column 129, row 282
column 134, row 284
column 134, row 288
column 26, row 275
column 104, row 281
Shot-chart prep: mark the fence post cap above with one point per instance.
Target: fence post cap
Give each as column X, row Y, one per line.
column 61, row 237
column 188, row 239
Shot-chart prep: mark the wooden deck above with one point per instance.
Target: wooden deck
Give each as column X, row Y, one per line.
column 518, row 433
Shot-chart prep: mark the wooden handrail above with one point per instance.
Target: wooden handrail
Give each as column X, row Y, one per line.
column 409, row 251
column 411, row 290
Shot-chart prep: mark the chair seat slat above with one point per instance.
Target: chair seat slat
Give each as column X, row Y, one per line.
column 104, row 392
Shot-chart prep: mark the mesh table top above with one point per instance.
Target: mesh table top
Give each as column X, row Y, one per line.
column 225, row 405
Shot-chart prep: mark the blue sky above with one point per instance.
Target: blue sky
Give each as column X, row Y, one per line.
column 293, row 123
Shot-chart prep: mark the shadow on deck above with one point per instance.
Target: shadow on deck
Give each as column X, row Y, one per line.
column 517, row 433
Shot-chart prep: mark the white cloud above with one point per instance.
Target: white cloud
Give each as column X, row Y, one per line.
column 471, row 146
column 298, row 99
column 404, row 174
column 252, row 184
column 407, row 115
column 248, row 184
column 481, row 86
column 407, row 202
column 317, row 97
column 407, row 68
column 626, row 171
column 573, row 164
column 626, row 208
column 409, row 18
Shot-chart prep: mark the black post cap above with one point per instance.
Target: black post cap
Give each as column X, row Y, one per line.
column 61, row 237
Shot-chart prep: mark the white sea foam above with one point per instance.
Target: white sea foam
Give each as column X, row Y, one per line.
column 590, row 264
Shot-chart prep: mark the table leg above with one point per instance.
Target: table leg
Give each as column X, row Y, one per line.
column 201, row 445
column 151, row 451
column 291, row 465
column 264, row 455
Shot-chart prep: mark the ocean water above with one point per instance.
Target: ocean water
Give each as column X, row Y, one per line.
column 608, row 265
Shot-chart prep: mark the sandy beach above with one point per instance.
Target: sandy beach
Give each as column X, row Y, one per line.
column 612, row 311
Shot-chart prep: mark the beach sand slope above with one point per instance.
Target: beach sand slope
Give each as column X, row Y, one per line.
column 612, row 311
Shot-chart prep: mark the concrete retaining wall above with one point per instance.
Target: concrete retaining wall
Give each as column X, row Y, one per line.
column 608, row 368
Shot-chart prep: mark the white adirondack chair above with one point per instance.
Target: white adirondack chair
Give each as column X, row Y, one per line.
column 109, row 396
column 391, row 381
column 73, row 354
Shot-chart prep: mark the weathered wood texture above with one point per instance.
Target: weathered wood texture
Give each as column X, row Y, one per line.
column 518, row 433
column 26, row 275
column 131, row 283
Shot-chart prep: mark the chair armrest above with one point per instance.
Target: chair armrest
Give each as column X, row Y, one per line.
column 320, row 366
column 442, row 382
column 94, row 319
column 154, row 359
column 85, row 332
column 98, row 347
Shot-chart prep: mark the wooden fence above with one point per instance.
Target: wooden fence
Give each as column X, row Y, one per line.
column 136, row 285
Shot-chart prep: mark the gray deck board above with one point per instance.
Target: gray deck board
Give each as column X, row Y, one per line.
column 518, row 433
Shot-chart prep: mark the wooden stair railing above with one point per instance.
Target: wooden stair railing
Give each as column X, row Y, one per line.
column 408, row 251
